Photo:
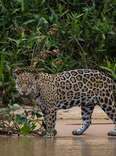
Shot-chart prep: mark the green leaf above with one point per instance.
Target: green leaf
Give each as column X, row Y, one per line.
column 25, row 130
column 29, row 21
column 55, row 132
column 10, row 106
column 111, row 72
column 33, row 126
column 106, row 68
column 3, row 110
column 21, row 119
column 9, row 120
column 2, row 64
column 33, row 113
column 15, row 107
column 18, row 119
column 38, row 115
column 26, row 112
column 22, row 5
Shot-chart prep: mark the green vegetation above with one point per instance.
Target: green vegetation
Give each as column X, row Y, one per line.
column 16, row 120
column 110, row 68
column 52, row 36
column 22, row 122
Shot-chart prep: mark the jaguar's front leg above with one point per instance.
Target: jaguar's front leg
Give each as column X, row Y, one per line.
column 50, row 121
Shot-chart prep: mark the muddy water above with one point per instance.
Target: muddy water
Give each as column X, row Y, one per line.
column 76, row 146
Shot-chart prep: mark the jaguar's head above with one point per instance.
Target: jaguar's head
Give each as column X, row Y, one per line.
column 26, row 84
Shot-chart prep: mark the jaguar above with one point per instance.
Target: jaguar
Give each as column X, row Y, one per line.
column 82, row 87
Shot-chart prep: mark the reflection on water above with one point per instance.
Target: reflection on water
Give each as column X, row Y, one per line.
column 77, row 146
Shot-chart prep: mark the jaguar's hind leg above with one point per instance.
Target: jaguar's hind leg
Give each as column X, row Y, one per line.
column 109, row 107
column 86, row 113
column 110, row 110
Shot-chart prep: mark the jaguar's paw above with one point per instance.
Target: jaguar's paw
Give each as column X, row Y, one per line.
column 77, row 132
column 112, row 133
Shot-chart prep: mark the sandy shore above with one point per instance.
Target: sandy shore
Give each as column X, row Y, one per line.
column 69, row 120
column 97, row 130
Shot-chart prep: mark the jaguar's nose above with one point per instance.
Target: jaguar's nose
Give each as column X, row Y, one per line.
column 24, row 94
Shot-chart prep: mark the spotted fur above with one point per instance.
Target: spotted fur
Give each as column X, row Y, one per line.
column 83, row 87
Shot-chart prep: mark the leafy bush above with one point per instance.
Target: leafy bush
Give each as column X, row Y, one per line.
column 16, row 120
column 110, row 68
column 53, row 36
column 20, row 123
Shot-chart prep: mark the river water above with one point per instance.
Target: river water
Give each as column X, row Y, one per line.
column 64, row 146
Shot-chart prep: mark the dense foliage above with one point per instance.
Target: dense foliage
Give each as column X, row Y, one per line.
column 53, row 36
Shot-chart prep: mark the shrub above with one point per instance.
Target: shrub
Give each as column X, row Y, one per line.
column 53, row 36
